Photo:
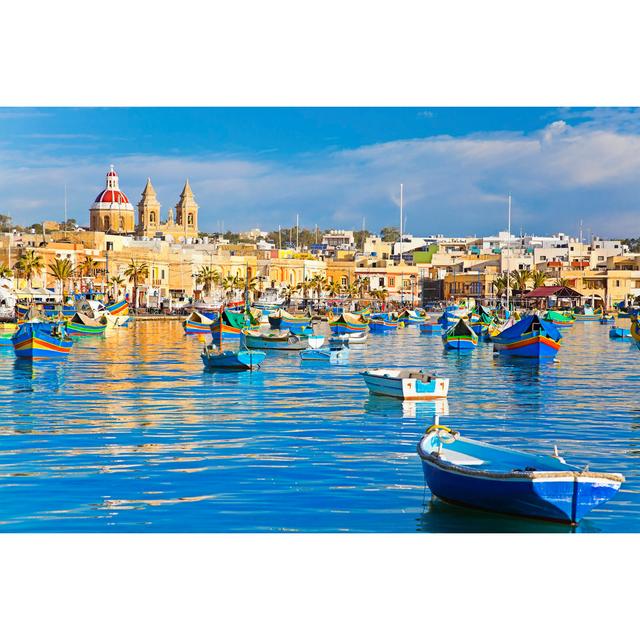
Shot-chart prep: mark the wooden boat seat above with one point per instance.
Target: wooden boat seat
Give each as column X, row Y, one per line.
column 462, row 459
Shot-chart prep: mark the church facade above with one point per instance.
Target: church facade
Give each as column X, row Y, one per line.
column 112, row 212
column 178, row 227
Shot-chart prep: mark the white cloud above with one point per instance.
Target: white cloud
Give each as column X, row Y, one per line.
column 558, row 175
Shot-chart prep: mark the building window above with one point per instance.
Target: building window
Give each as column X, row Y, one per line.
column 381, row 282
column 600, row 258
column 344, row 281
column 543, row 258
column 107, row 223
column 109, row 246
column 392, row 282
column 617, row 283
column 162, row 272
column 190, row 219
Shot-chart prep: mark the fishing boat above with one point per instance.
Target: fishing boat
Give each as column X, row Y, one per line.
column 119, row 308
column 347, row 323
column 430, row 327
column 355, row 338
column 282, row 319
column 460, row 336
column 587, row 314
column 530, row 337
column 232, row 324
column 41, row 340
column 619, row 332
column 382, row 323
column 484, row 476
column 558, row 318
column 336, row 352
column 607, row 319
column 269, row 302
column 197, row 323
column 59, row 310
column 635, row 330
column 481, row 320
column 282, row 340
column 84, row 325
column 238, row 360
column 405, row 384
column 411, row 316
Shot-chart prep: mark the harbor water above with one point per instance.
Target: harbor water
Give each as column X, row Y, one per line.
column 131, row 434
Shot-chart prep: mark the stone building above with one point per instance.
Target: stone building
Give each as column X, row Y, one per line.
column 112, row 212
column 178, row 227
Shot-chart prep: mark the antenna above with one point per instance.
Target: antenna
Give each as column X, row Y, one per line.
column 401, row 194
column 297, row 232
column 65, row 207
column 509, row 249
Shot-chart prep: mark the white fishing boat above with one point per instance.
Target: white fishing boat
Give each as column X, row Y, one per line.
column 406, row 384
column 355, row 338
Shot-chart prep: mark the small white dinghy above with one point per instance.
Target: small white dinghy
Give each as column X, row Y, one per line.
column 355, row 338
column 406, row 384
column 337, row 352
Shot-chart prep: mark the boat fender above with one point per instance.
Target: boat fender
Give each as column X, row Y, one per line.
column 293, row 339
column 445, row 434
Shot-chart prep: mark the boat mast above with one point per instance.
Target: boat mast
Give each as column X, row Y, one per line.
column 65, row 212
column 509, row 249
column 401, row 247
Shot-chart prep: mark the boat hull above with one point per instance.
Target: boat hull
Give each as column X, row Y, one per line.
column 460, row 343
column 531, row 347
column 32, row 342
column 382, row 326
column 120, row 308
column 430, row 327
column 619, row 332
column 289, row 343
column 76, row 329
column 406, row 388
column 245, row 359
column 227, row 332
column 562, row 499
column 191, row 326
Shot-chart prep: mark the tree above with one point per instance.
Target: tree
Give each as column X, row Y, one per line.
column 304, row 286
column 318, row 282
column 88, row 266
column 361, row 285
column 380, row 294
column 61, row 269
column 5, row 271
column 70, row 225
column 116, row 283
column 136, row 271
column 333, row 288
column 359, row 237
column 390, row 234
column 29, row 264
column 500, row 285
column 561, row 282
column 519, row 279
column 538, row 278
column 289, row 290
column 206, row 277
column 5, row 222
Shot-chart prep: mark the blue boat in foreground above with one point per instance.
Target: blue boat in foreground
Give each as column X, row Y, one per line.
column 619, row 332
column 492, row 478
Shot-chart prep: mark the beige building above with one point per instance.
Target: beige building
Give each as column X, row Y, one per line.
column 178, row 227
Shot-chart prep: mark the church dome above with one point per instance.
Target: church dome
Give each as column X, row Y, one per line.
column 111, row 197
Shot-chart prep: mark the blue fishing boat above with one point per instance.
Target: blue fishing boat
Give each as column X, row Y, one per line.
column 530, row 337
column 607, row 319
column 382, row 322
column 197, row 323
column 619, row 332
column 243, row 359
column 412, row 316
column 282, row 319
column 492, row 478
column 587, row 314
column 83, row 325
column 460, row 336
column 41, row 340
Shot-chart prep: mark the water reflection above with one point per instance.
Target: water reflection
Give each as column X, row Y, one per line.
column 424, row 410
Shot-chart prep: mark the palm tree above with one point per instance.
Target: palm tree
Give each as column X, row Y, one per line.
column 136, row 271
column 29, row 264
column 361, row 285
column 538, row 278
column 500, row 285
column 519, row 279
column 206, row 277
column 253, row 286
column 5, row 272
column 289, row 290
column 88, row 266
column 61, row 269
column 318, row 283
column 116, row 283
column 333, row 288
column 304, row 286
column 380, row 294
column 561, row 282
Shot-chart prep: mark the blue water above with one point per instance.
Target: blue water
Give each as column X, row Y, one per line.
column 130, row 434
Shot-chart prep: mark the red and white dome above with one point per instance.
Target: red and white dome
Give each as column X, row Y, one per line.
column 112, row 197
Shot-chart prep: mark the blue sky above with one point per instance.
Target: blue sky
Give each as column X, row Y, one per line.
column 260, row 166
